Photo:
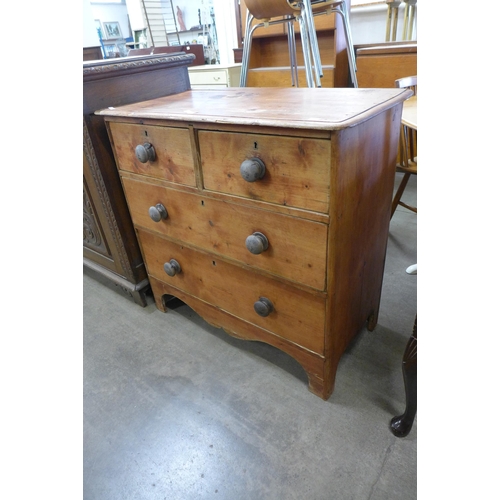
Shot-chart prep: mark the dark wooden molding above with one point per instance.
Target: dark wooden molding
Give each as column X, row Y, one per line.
column 110, row 246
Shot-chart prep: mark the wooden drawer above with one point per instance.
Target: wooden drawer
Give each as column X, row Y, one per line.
column 297, row 247
column 297, row 315
column 297, row 169
column 216, row 77
column 174, row 160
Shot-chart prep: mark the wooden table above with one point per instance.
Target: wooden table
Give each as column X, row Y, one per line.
column 409, row 116
column 266, row 210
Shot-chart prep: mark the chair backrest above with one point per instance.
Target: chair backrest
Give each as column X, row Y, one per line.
column 408, row 82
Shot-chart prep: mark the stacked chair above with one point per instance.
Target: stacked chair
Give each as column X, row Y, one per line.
column 271, row 12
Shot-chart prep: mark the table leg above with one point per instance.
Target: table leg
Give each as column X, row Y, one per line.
column 401, row 425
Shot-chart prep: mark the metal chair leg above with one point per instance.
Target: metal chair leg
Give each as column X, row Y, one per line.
column 304, row 35
column 351, row 57
column 292, row 52
column 247, row 45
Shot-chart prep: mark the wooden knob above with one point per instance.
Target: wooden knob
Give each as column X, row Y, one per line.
column 253, row 169
column 257, row 243
column 172, row 268
column 145, row 152
column 158, row 212
column 263, row 307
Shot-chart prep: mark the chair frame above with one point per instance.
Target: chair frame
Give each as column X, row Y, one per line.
column 407, row 148
column 304, row 13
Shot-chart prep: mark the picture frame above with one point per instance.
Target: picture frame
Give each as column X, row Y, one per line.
column 110, row 51
column 112, row 30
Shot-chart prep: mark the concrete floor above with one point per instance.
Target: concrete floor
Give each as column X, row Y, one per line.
column 175, row 409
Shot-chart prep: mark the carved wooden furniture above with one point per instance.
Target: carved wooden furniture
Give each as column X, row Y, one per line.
column 110, row 247
column 401, row 424
column 269, row 64
column 265, row 210
column 194, row 48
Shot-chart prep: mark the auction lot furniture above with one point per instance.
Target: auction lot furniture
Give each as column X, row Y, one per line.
column 265, row 210
column 216, row 75
column 269, row 64
column 110, row 247
column 379, row 65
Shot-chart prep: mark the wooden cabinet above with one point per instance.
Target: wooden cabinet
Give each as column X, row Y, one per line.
column 379, row 65
column 215, row 75
column 265, row 210
column 110, row 246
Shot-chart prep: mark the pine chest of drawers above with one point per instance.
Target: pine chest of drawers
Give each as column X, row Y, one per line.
column 265, row 210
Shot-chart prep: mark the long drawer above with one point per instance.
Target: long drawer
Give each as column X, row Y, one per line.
column 294, row 314
column 173, row 154
column 208, row 77
column 297, row 170
column 296, row 247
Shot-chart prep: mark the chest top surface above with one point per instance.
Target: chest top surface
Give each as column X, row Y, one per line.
column 303, row 108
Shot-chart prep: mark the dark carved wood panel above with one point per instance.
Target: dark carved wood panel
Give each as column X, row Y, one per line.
column 110, row 246
column 92, row 233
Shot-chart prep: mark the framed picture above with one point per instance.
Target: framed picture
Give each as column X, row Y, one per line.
column 110, row 50
column 112, row 30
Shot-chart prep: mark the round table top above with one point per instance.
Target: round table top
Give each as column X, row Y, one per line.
column 409, row 116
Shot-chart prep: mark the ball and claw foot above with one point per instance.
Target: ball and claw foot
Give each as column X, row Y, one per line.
column 400, row 426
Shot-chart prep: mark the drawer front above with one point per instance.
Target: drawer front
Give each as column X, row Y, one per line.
column 296, row 315
column 297, row 170
column 296, row 250
column 174, row 160
column 208, row 77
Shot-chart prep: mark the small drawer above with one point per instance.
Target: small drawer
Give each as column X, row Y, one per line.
column 208, row 77
column 290, row 313
column 172, row 158
column 295, row 250
column 296, row 170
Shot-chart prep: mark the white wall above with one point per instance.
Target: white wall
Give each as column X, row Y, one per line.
column 225, row 14
column 90, row 37
column 368, row 24
column 136, row 18
column 109, row 12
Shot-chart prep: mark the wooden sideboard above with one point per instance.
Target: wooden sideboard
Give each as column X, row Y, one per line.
column 92, row 53
column 380, row 64
column 110, row 247
column 214, row 75
column 270, row 63
column 265, row 210
column 194, row 48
